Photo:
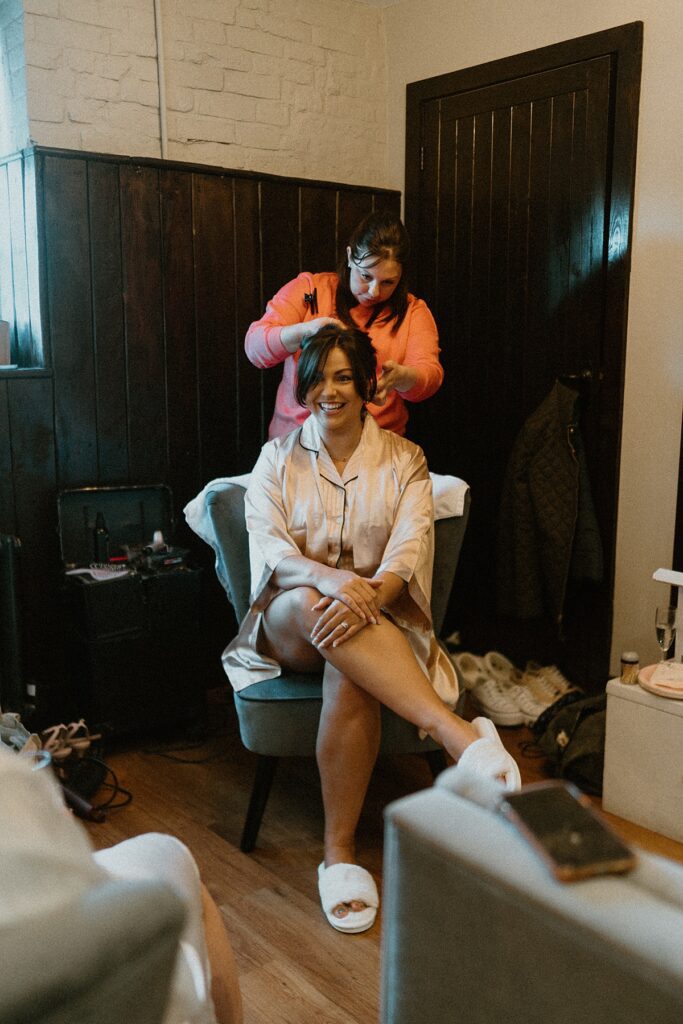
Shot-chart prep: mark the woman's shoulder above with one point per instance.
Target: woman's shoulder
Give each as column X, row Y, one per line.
column 325, row 282
column 279, row 449
column 306, row 282
column 418, row 307
column 400, row 448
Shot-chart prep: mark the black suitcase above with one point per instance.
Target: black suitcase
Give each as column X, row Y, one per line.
column 134, row 642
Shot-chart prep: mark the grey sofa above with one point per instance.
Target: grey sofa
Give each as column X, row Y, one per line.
column 476, row 930
column 105, row 959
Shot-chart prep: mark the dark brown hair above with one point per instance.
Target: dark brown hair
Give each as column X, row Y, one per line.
column 382, row 236
column 355, row 345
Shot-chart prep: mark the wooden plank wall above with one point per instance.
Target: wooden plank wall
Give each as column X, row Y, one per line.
column 150, row 273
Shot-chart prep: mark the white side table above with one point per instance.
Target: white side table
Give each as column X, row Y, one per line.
column 643, row 780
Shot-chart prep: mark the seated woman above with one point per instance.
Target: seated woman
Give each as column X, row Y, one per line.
column 340, row 523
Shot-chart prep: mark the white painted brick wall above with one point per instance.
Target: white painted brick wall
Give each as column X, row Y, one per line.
column 14, row 130
column 294, row 87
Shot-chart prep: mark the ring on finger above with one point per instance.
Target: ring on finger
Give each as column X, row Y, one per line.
column 344, row 625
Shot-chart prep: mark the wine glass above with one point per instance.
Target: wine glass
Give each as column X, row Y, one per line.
column 665, row 625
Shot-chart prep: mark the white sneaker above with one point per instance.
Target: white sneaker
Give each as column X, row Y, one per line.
column 527, row 703
column 546, row 682
column 499, row 667
column 496, row 701
column 470, row 669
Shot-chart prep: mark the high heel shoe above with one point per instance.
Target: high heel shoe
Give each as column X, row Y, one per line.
column 79, row 737
column 54, row 740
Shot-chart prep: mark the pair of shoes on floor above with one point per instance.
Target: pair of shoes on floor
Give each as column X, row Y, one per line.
column 505, row 694
column 343, row 884
column 63, row 741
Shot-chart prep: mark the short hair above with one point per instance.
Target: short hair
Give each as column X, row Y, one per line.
column 355, row 345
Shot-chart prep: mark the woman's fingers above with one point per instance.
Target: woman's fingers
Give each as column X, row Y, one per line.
column 357, row 593
column 331, row 618
column 340, row 632
column 365, row 593
column 336, row 624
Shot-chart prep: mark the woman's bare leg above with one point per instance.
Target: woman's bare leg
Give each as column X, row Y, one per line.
column 376, row 666
column 378, row 660
column 349, row 730
column 348, row 742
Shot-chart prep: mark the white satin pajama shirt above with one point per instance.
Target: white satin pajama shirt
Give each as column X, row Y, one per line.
column 376, row 517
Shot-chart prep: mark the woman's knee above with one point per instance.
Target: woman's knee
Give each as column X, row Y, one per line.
column 293, row 610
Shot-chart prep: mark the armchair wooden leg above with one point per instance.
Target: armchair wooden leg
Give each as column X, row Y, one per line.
column 265, row 772
column 436, row 759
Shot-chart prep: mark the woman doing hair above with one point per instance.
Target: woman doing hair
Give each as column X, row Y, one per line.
column 381, row 236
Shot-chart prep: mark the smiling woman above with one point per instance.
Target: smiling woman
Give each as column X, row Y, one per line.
column 341, row 536
column 369, row 292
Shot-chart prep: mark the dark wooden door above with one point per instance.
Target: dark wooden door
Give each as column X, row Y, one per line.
column 519, row 191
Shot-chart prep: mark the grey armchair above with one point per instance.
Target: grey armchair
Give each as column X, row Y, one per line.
column 476, row 929
column 279, row 717
column 105, row 958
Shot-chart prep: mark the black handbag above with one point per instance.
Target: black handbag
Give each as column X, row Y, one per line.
column 571, row 733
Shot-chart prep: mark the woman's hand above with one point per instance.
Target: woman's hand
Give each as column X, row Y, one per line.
column 293, row 336
column 357, row 593
column 336, row 624
column 394, row 377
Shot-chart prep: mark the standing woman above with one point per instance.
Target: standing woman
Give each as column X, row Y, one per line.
column 369, row 292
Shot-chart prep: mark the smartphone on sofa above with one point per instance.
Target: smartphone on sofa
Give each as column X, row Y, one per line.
column 573, row 840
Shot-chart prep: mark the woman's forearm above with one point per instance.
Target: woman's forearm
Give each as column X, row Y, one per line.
column 392, row 586
column 356, row 592
column 299, row 571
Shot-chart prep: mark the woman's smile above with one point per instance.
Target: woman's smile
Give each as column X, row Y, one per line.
column 333, row 398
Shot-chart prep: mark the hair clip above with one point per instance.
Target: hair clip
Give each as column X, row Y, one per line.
column 311, row 299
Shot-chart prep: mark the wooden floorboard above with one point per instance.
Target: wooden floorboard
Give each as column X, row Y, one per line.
column 294, row 968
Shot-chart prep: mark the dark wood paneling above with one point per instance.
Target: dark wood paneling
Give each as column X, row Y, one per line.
column 109, row 346
column 30, row 405
column 145, row 349
column 318, row 209
column 67, row 237
column 253, row 415
column 351, row 208
column 280, row 255
column 180, row 334
column 7, row 517
column 150, row 273
column 214, row 262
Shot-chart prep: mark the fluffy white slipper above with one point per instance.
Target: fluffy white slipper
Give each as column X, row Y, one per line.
column 342, row 883
column 489, row 757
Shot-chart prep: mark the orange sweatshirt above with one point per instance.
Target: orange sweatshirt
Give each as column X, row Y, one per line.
column 415, row 344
